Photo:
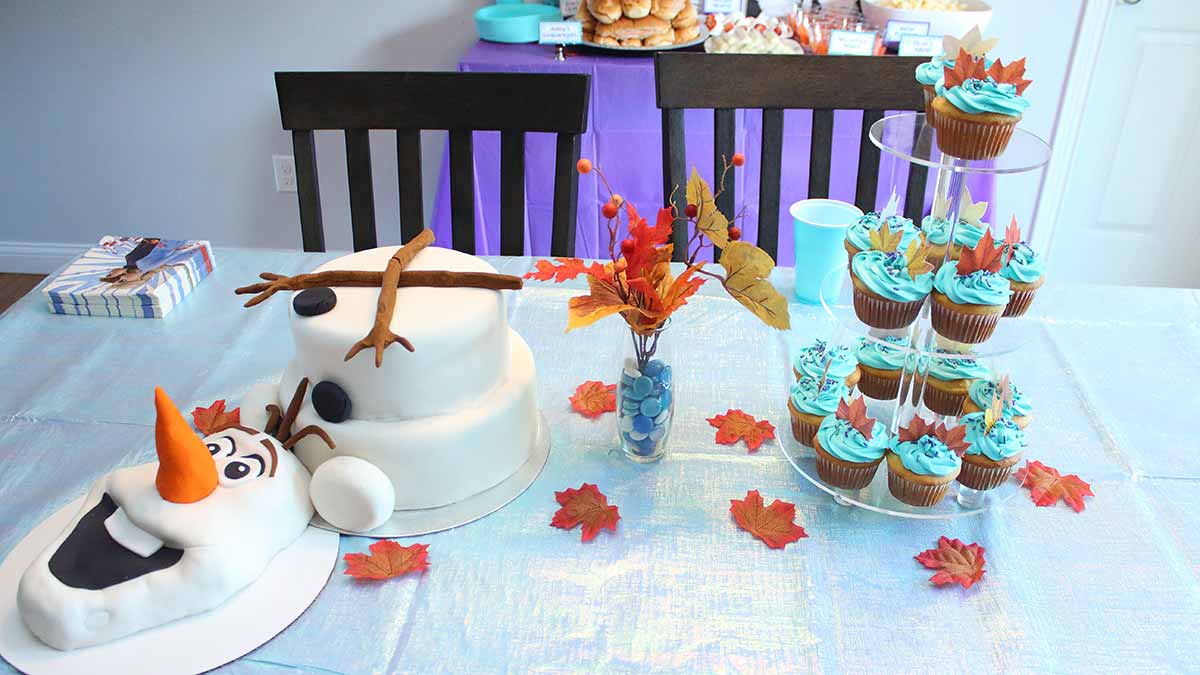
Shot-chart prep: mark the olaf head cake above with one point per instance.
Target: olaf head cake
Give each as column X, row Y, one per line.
column 447, row 415
column 160, row 541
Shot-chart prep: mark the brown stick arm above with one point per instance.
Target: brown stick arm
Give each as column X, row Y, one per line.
column 381, row 335
column 433, row 279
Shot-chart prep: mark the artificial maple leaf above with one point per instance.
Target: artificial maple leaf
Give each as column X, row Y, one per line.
column 709, row 219
column 955, row 439
column 916, row 257
column 775, row 525
column 856, row 414
column 1013, row 74
column 966, row 67
column 883, row 239
column 917, row 427
column 679, row 290
column 646, row 240
column 985, row 256
column 388, row 559
column 736, row 425
column 954, row 561
column 588, row 506
column 747, row 267
column 600, row 302
column 1047, row 486
column 592, row 399
column 566, row 269
column 215, row 417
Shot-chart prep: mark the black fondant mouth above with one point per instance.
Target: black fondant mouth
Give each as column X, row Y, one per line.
column 90, row 558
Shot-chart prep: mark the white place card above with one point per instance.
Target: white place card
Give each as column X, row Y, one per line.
column 921, row 45
column 560, row 32
column 851, row 43
column 722, row 6
column 898, row 29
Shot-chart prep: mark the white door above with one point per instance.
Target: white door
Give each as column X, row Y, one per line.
column 1130, row 210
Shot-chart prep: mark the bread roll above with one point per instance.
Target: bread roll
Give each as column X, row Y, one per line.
column 667, row 38
column 589, row 36
column 667, row 10
column 686, row 16
column 687, row 33
column 585, row 17
column 605, row 11
column 632, row 42
column 634, row 29
column 635, row 9
column 607, row 41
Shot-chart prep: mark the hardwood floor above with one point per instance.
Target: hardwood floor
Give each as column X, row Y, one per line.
column 13, row 286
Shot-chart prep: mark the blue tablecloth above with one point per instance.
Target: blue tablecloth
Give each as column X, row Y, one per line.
column 1114, row 373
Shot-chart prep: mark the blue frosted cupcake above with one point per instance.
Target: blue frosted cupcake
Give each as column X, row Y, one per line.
column 969, row 296
column 924, row 462
column 1026, row 272
column 981, row 393
column 811, row 362
column 994, row 450
column 849, row 446
column 937, row 232
column 948, row 379
column 886, row 293
column 810, row 402
column 858, row 235
column 881, row 366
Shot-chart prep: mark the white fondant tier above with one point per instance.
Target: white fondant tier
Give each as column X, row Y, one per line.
column 436, row 460
column 460, row 335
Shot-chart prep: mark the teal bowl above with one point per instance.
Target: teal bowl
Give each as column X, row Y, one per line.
column 512, row 22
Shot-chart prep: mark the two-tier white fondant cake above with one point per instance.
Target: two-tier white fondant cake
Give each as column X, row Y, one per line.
column 427, row 428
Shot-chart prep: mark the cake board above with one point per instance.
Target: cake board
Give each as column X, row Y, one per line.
column 411, row 523
column 260, row 611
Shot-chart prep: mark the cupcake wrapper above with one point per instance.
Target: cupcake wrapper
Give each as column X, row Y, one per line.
column 885, row 314
column 1019, row 303
column 930, row 94
column 880, row 388
column 967, row 139
column 943, row 402
column 803, row 431
column 915, row 494
column 984, row 477
column 960, row 326
column 847, row 478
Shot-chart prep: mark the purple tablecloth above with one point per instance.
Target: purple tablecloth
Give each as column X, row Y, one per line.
column 624, row 139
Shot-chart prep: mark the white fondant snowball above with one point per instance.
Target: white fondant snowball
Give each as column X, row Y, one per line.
column 352, row 494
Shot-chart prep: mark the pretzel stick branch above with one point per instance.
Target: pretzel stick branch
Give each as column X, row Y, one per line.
column 381, row 335
column 358, row 279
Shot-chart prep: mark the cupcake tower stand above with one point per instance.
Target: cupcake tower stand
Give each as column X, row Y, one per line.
column 907, row 137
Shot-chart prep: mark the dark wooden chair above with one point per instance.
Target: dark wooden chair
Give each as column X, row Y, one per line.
column 823, row 84
column 461, row 103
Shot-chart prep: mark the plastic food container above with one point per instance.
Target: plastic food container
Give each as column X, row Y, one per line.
column 956, row 23
column 512, row 22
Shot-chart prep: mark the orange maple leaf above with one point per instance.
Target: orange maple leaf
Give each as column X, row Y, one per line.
column 1013, row 74
column 736, row 425
column 566, row 269
column 856, row 414
column 955, row 438
column 955, row 562
column 214, row 418
column 388, row 559
column 966, row 67
column 646, row 239
column 1047, row 486
column 603, row 300
column 586, row 505
column 985, row 256
column 593, row 398
column 775, row 525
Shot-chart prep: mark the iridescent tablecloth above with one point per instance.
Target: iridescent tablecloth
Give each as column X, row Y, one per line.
column 1114, row 373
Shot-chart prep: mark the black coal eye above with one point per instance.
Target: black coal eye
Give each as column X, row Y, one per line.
column 314, row 301
column 331, row 402
column 235, row 470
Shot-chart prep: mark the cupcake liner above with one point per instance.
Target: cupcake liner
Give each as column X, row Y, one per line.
column 877, row 387
column 913, row 493
column 961, row 326
column 930, row 94
column 1019, row 303
column 803, row 431
column 972, row 139
column 979, row 477
column 943, row 402
column 843, row 476
column 885, row 314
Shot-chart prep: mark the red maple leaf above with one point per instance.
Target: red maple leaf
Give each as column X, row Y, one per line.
column 1047, row 486
column 955, row 438
column 566, row 269
column 966, row 67
column 214, row 418
column 775, row 525
column 955, row 562
column 736, row 425
column 1013, row 73
column 588, row 506
column 388, row 559
column 856, row 414
column 593, row 398
column 985, row 256
column 1012, row 237
column 646, row 239
column 917, row 427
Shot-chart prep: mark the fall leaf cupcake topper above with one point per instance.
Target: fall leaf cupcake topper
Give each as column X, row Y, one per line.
column 883, row 239
column 984, row 257
column 1013, row 73
column 966, row 67
column 968, row 211
column 856, row 414
column 973, row 43
column 955, row 438
column 917, row 255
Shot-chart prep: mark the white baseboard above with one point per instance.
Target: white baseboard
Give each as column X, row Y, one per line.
column 37, row 257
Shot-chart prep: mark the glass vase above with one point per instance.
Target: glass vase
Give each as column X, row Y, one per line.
column 645, row 398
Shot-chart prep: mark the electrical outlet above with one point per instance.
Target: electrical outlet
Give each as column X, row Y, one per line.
column 285, row 173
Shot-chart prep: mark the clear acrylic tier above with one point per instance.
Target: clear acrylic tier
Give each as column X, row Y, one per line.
column 907, row 137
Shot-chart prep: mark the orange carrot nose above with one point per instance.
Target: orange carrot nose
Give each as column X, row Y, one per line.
column 186, row 470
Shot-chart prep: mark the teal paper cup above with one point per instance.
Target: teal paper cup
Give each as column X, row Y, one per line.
column 820, row 226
